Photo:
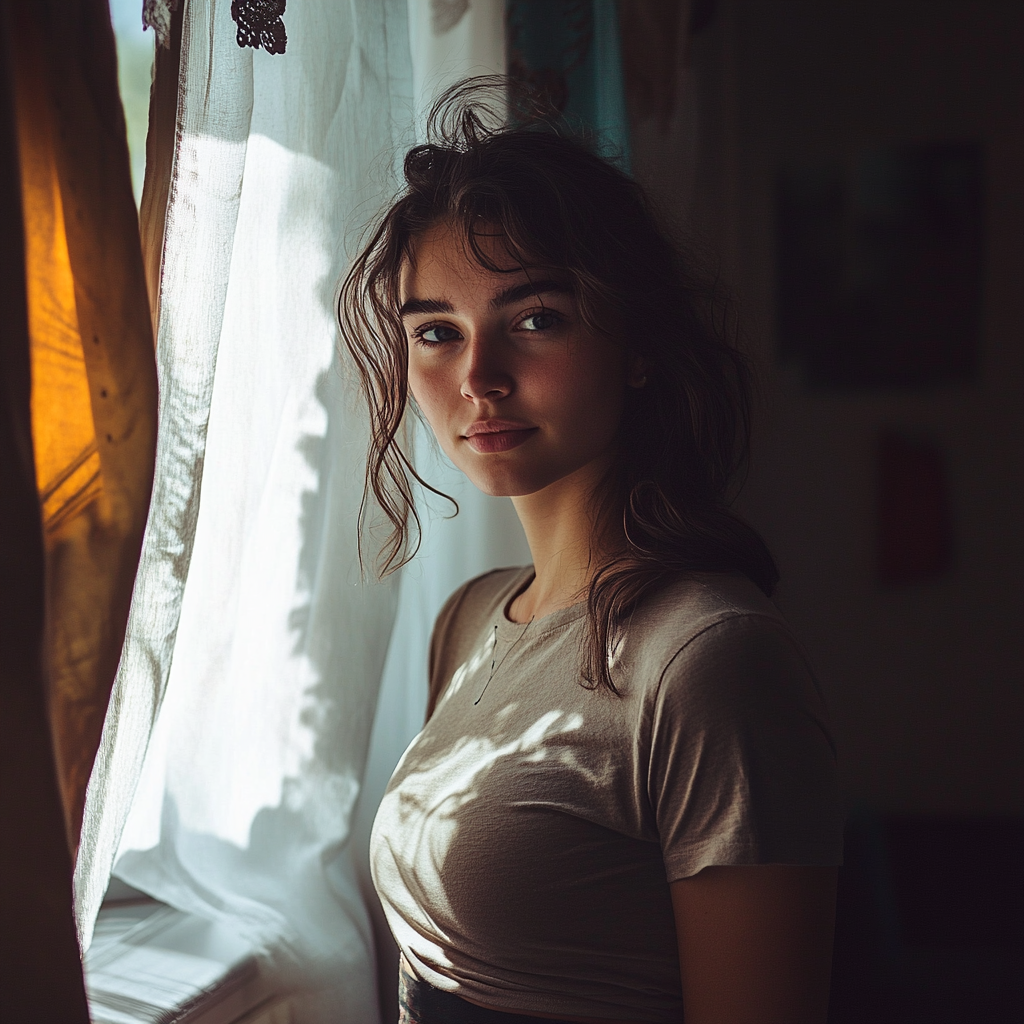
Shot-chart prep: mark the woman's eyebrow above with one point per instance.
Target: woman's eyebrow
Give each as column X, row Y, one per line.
column 506, row 297
column 518, row 292
column 413, row 306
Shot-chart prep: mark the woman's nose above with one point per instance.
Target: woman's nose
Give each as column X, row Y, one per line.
column 485, row 376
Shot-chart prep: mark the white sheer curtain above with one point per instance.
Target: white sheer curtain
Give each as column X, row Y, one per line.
column 233, row 755
column 253, row 643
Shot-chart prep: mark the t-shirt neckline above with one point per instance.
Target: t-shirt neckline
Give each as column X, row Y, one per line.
column 507, row 629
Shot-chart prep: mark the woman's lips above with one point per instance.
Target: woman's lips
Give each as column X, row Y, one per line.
column 499, row 440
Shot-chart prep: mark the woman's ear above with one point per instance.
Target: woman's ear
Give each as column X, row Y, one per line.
column 637, row 376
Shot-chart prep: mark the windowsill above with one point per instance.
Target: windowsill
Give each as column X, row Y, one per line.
column 150, row 963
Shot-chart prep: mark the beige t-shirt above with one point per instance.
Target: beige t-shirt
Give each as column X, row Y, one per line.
column 525, row 844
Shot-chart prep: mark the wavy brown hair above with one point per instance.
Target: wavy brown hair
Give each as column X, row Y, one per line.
column 557, row 204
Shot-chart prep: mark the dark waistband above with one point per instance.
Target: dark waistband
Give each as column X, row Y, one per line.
column 420, row 1003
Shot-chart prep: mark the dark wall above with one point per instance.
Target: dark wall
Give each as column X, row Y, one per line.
column 923, row 677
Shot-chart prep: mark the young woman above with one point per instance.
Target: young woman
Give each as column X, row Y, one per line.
column 623, row 804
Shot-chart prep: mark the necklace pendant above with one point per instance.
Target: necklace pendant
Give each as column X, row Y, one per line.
column 494, row 654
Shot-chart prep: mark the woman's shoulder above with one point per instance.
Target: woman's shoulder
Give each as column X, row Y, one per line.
column 740, row 761
column 695, row 602
column 695, row 617
column 715, row 662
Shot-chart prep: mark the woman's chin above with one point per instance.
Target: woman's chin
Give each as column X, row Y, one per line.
column 503, row 484
column 508, row 479
column 503, row 488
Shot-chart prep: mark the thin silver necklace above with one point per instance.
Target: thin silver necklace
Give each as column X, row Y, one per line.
column 494, row 653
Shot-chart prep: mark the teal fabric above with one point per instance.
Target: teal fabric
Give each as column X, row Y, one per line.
column 570, row 51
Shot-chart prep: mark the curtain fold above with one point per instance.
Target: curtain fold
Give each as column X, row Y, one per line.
column 93, row 377
column 201, row 211
column 159, row 163
column 450, row 40
column 40, row 972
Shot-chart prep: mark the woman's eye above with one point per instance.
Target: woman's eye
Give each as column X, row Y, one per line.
column 437, row 334
column 542, row 321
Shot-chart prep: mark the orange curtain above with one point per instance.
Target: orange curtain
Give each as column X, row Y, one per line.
column 93, row 392
column 40, row 973
column 77, row 439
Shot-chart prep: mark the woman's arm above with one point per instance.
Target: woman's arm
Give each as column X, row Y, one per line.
column 755, row 943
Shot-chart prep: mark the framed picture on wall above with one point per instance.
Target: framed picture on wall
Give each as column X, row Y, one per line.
column 879, row 264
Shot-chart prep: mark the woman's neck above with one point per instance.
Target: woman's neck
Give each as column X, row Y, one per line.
column 567, row 542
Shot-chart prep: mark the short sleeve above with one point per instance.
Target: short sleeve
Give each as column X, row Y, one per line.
column 742, row 764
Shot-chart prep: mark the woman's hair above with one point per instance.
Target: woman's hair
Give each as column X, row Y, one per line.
column 556, row 204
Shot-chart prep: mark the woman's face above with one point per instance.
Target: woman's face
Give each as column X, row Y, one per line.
column 517, row 391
